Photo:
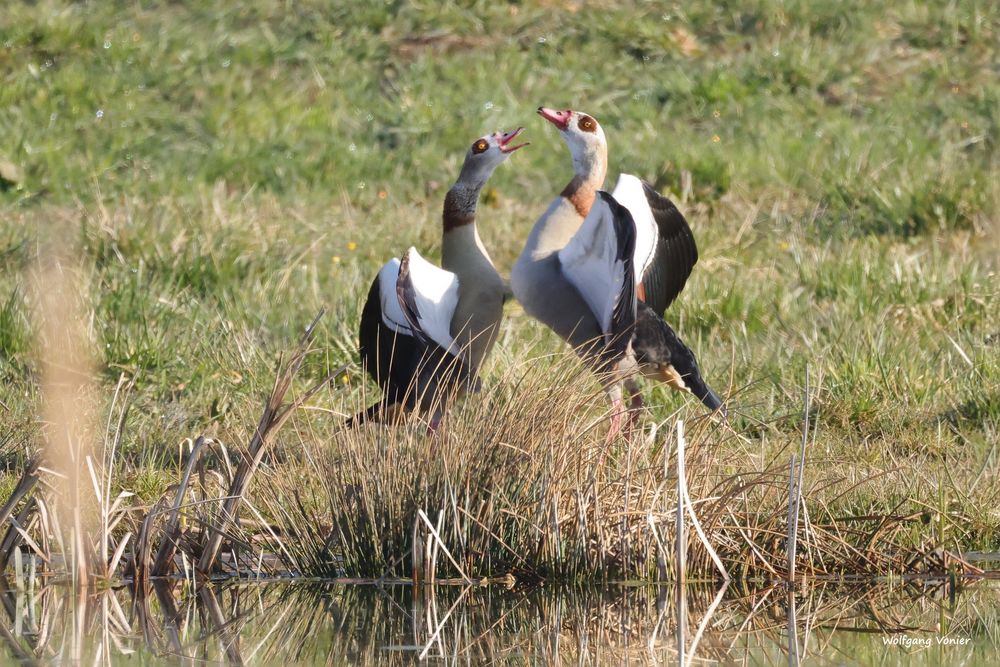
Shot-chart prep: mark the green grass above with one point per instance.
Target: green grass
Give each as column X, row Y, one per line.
column 222, row 173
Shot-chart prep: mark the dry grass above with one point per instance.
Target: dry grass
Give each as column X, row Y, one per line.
column 519, row 484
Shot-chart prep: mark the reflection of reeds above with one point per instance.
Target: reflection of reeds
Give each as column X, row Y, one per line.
column 339, row 624
column 24, row 487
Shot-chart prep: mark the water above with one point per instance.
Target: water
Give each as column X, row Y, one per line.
column 916, row 622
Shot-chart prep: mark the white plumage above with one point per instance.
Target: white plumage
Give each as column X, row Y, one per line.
column 392, row 312
column 436, row 296
column 630, row 194
column 589, row 261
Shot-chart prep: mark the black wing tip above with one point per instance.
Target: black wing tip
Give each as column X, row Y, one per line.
column 680, row 356
column 697, row 386
column 712, row 401
column 655, row 198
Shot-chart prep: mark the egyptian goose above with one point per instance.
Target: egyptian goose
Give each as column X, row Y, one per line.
column 600, row 269
column 425, row 331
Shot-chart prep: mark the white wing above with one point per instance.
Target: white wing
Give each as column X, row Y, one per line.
column 392, row 313
column 593, row 261
column 431, row 295
column 629, row 193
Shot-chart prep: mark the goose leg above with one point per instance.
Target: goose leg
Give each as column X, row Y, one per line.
column 636, row 405
column 617, row 412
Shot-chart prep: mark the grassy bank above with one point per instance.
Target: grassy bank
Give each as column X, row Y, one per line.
column 218, row 175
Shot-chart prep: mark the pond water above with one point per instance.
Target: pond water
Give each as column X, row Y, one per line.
column 932, row 622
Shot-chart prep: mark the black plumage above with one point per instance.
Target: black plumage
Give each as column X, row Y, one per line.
column 662, row 355
column 411, row 370
column 656, row 347
column 623, row 314
column 674, row 255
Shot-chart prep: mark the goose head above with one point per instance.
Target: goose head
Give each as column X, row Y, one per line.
column 486, row 154
column 584, row 136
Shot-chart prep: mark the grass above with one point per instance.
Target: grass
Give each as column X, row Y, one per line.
column 220, row 174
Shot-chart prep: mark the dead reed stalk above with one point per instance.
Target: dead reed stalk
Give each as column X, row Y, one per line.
column 680, row 532
column 171, row 531
column 67, row 380
column 275, row 414
column 795, row 484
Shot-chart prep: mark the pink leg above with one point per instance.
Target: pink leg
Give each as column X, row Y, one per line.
column 636, row 405
column 617, row 413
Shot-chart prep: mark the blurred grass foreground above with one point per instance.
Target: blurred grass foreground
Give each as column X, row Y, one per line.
column 206, row 177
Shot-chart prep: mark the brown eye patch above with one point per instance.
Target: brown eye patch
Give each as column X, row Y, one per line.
column 587, row 124
column 480, row 146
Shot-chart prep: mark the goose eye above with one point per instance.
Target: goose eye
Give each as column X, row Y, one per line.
column 587, row 124
column 480, row 146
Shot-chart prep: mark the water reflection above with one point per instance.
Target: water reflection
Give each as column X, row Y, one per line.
column 330, row 623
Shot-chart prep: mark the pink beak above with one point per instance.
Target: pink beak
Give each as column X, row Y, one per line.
column 558, row 118
column 505, row 138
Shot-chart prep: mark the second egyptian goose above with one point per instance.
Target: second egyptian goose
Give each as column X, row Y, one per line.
column 600, row 269
column 425, row 331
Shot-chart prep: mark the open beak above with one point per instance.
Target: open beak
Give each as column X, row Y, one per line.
column 507, row 137
column 558, row 118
